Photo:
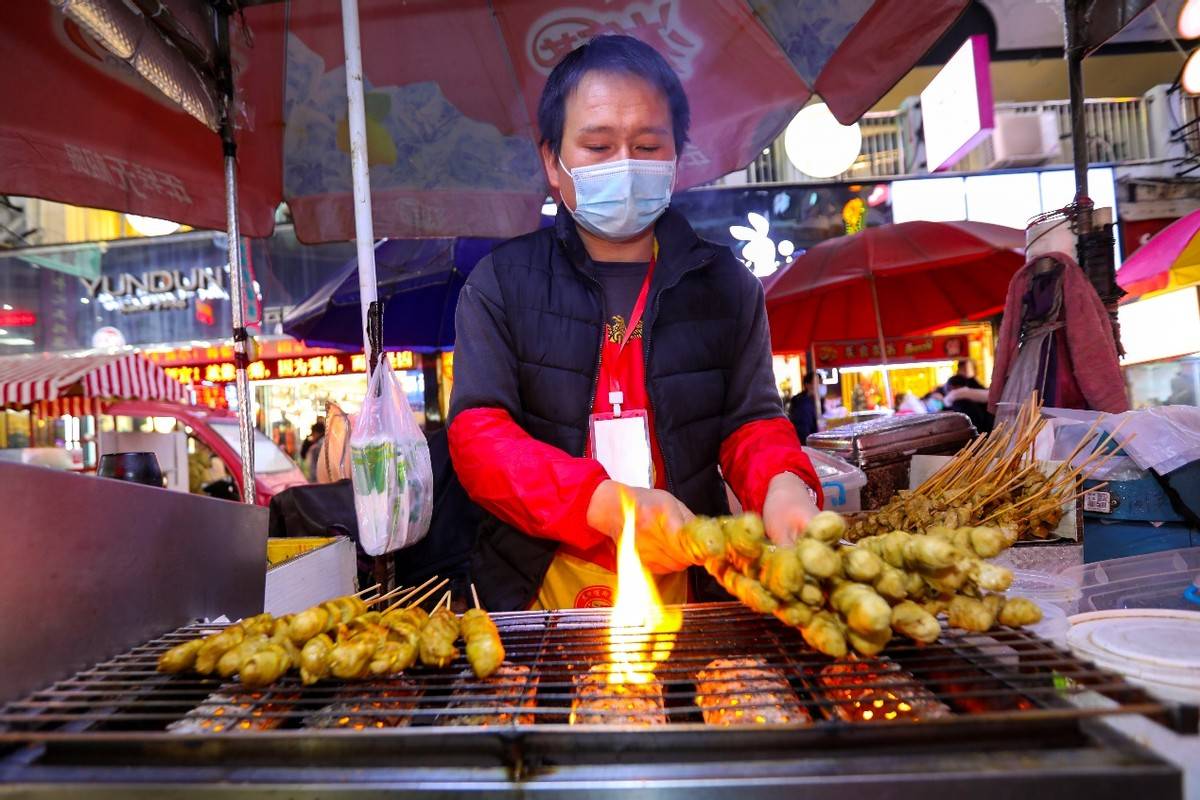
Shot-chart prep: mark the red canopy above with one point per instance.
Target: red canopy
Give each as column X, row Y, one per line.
column 927, row 275
column 28, row 379
column 451, row 92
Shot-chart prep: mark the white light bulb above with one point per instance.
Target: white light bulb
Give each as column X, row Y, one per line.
column 1191, row 74
column 820, row 146
column 1189, row 20
column 786, row 248
column 151, row 226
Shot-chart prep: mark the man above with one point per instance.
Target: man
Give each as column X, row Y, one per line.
column 963, row 377
column 803, row 411
column 615, row 344
column 966, row 395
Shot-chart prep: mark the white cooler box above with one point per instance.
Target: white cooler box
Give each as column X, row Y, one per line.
column 841, row 481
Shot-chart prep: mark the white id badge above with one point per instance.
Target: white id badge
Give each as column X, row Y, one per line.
column 622, row 445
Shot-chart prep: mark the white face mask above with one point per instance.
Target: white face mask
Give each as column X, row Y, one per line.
column 618, row 200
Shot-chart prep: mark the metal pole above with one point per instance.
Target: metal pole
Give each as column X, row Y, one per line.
column 364, row 236
column 1075, row 15
column 812, row 367
column 887, row 380
column 233, row 239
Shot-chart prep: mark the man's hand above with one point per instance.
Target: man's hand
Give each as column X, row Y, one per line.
column 659, row 518
column 788, row 508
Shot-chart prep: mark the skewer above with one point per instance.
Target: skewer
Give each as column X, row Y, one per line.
column 1084, row 442
column 475, row 595
column 387, row 596
column 1095, row 461
column 413, row 592
column 368, row 589
column 425, row 596
column 934, row 481
column 445, row 599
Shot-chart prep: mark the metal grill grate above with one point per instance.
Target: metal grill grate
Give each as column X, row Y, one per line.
column 728, row 666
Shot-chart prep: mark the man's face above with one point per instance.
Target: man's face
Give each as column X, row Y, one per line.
column 610, row 117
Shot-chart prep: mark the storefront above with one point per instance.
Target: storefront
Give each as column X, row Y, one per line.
column 292, row 384
column 1161, row 336
column 917, row 366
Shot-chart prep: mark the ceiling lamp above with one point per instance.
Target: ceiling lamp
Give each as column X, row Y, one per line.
column 820, row 146
column 1189, row 20
column 1191, row 73
column 151, row 226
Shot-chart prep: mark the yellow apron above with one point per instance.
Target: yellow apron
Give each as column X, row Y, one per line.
column 572, row 582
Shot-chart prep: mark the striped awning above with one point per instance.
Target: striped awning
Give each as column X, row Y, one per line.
column 74, row 406
column 129, row 376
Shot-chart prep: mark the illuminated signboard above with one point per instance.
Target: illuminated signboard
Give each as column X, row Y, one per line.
column 899, row 351
column 17, row 318
column 956, row 107
column 322, row 366
column 1162, row 327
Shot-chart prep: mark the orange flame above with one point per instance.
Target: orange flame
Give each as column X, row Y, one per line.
column 641, row 631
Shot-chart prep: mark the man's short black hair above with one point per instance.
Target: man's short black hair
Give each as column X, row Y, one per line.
column 620, row 54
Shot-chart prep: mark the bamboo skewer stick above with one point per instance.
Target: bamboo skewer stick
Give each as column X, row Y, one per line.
column 1095, row 461
column 408, row 594
column 475, row 595
column 1087, row 439
column 962, row 457
column 444, row 599
column 423, row 597
column 387, row 596
column 368, row 589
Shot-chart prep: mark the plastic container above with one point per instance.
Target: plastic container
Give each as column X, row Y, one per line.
column 841, row 481
column 1153, row 580
column 1047, row 590
column 280, row 550
column 1055, row 624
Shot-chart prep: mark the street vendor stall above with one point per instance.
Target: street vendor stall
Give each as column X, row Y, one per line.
column 799, row 688
column 47, row 398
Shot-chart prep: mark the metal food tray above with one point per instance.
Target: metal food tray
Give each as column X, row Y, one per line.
column 883, row 441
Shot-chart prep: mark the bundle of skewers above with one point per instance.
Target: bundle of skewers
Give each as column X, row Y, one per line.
column 843, row 596
column 344, row 638
column 997, row 480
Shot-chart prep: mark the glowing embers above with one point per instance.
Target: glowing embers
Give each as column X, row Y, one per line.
column 746, row 691
column 874, row 690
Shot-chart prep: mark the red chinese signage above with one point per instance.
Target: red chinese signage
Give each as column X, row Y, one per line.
column 321, row 366
column 907, row 350
column 216, row 353
column 17, row 318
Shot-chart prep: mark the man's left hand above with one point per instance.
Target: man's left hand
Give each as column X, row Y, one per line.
column 788, row 508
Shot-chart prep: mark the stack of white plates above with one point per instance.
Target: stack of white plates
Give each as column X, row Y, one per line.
column 1158, row 649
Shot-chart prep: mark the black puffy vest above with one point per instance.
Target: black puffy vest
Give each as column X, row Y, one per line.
column 555, row 313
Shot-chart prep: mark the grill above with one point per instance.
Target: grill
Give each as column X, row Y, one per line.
column 993, row 707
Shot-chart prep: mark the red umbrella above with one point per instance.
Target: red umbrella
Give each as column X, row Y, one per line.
column 892, row 280
column 451, row 89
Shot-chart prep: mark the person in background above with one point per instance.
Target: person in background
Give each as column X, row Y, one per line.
column 310, row 451
column 965, row 375
column 964, row 398
column 803, row 411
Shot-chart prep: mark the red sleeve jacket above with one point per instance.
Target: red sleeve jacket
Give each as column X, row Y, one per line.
column 545, row 491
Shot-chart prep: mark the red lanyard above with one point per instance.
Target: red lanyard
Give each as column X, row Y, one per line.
column 615, row 396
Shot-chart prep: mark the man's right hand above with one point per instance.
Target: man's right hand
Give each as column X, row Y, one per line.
column 659, row 519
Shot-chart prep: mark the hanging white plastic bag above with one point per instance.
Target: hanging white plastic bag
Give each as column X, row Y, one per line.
column 393, row 479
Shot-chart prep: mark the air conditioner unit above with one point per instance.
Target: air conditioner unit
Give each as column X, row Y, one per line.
column 1024, row 140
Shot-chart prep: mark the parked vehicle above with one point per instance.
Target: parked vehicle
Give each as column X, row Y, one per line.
column 198, row 448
